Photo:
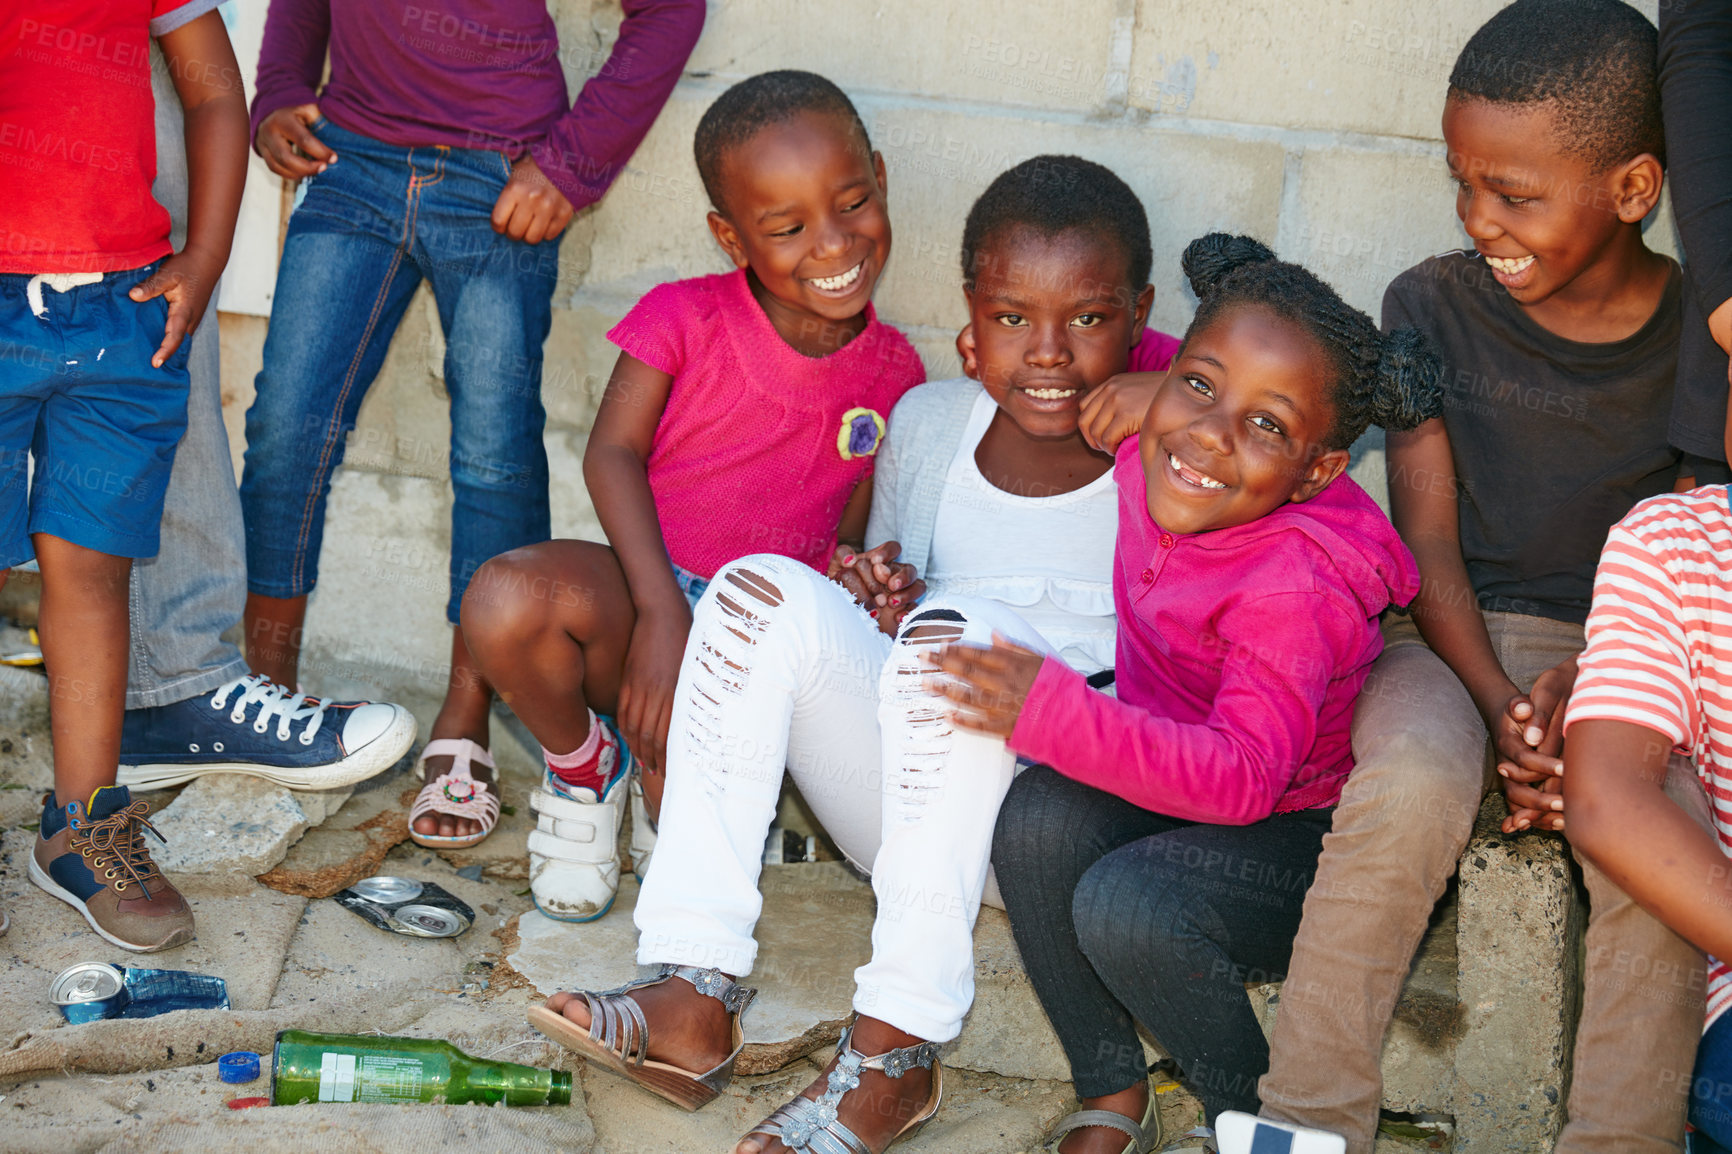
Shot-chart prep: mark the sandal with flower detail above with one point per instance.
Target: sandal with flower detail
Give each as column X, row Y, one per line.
column 455, row 792
column 617, row 1037
column 810, row 1125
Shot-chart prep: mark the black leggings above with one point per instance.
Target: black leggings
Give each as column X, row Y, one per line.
column 1121, row 913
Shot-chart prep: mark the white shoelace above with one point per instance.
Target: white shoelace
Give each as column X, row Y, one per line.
column 272, row 699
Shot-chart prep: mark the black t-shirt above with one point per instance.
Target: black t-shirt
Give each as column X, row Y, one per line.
column 1696, row 101
column 1554, row 440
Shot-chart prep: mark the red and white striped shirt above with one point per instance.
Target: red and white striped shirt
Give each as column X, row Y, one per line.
column 1659, row 651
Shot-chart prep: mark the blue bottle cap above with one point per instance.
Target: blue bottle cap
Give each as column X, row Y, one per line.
column 240, row 1066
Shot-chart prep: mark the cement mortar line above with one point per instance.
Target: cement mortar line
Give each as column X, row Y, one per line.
column 1133, row 117
column 1290, row 215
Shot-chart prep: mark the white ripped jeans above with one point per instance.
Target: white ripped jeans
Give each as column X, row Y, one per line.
column 784, row 669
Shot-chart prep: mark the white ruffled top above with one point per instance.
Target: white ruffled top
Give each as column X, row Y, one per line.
column 1048, row 557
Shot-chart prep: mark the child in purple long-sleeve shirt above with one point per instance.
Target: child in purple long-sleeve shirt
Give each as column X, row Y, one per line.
column 443, row 147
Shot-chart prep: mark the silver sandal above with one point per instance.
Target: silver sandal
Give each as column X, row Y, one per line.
column 810, row 1124
column 1144, row 1136
column 617, row 1037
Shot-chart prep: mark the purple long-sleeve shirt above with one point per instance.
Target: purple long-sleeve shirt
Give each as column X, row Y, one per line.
column 479, row 74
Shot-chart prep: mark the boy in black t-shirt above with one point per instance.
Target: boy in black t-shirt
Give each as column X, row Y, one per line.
column 1559, row 334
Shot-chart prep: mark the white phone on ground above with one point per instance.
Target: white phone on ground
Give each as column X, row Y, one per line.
column 1237, row 1133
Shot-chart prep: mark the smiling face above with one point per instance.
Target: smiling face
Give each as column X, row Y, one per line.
column 1540, row 217
column 804, row 209
column 1236, row 430
column 1049, row 318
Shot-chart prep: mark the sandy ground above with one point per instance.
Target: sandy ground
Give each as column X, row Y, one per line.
column 295, row 959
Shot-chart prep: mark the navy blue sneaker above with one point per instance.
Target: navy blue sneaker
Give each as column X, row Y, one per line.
column 253, row 725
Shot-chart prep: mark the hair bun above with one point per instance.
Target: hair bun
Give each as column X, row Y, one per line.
column 1409, row 384
column 1208, row 259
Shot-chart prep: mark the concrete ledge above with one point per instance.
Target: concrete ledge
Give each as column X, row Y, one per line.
column 1486, row 1020
column 1519, row 936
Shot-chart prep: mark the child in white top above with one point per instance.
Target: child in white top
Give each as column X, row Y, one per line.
column 974, row 483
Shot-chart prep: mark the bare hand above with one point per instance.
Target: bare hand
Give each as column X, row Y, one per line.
column 1115, row 410
column 646, row 690
column 186, row 279
column 1529, row 742
column 531, row 209
column 988, row 684
column 288, row 145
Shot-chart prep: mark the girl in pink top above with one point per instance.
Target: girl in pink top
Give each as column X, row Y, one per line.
column 1162, row 860
column 742, row 417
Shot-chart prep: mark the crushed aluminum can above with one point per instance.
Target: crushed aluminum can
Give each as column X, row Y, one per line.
column 406, row 906
column 93, row 991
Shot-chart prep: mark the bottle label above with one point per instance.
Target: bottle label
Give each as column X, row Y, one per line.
column 389, row 1078
column 369, row 1078
column 337, row 1078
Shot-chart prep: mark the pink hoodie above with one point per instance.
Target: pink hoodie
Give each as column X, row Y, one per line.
column 1240, row 654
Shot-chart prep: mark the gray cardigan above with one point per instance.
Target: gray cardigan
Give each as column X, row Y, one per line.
column 921, row 440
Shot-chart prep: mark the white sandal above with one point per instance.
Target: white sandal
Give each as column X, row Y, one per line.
column 456, row 792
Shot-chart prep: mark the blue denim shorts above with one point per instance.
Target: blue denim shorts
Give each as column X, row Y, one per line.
column 691, row 584
column 77, row 390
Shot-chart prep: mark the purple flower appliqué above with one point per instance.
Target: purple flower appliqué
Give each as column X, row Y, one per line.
column 862, row 434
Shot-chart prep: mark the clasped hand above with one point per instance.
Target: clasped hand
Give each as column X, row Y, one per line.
column 1529, row 738
column 883, row 586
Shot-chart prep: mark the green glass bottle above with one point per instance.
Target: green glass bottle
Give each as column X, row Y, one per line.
column 309, row 1067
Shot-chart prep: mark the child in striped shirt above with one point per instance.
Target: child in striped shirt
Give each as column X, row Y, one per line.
column 1648, row 762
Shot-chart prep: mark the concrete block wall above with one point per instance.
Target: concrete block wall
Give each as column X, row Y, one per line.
column 1312, row 124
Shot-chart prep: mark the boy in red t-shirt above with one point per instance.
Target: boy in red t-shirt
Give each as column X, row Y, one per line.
column 95, row 307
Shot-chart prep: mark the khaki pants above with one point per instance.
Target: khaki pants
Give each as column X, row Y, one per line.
column 1404, row 818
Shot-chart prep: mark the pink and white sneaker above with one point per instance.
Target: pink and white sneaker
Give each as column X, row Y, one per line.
column 574, row 847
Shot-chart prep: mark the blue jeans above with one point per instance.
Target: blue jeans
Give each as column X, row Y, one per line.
column 188, row 598
column 1123, row 915
column 370, row 228
column 691, row 585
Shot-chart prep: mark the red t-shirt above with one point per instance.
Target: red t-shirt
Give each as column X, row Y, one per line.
column 78, row 136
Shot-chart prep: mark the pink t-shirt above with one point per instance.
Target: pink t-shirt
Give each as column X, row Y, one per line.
column 760, row 446
column 1154, row 352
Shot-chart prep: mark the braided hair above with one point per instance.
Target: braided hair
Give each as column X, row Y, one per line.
column 1390, row 379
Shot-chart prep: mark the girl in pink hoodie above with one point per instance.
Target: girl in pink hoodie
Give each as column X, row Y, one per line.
column 1162, row 860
